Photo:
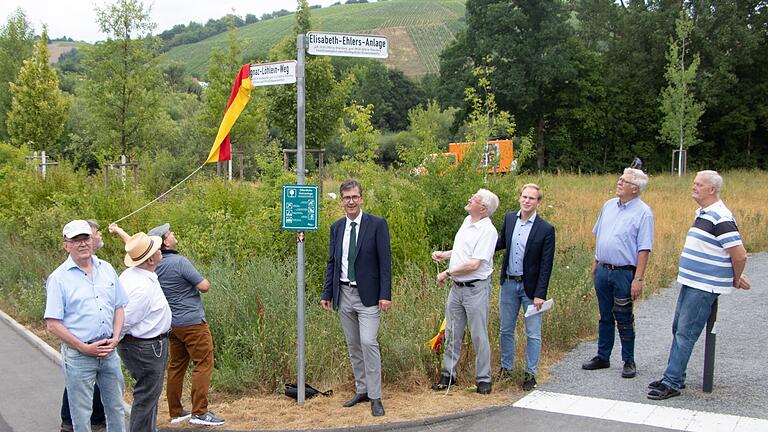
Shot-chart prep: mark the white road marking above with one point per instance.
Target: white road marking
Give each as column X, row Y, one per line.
column 638, row 413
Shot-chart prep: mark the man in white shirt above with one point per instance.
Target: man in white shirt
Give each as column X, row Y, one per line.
column 144, row 347
column 470, row 268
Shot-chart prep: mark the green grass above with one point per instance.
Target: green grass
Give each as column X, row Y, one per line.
column 430, row 25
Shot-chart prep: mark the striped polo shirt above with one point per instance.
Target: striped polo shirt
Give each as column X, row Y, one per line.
column 705, row 264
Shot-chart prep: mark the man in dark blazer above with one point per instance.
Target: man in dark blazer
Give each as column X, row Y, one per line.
column 529, row 249
column 358, row 283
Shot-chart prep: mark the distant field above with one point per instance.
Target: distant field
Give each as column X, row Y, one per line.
column 55, row 49
column 418, row 30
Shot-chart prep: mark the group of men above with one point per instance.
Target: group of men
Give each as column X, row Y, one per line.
column 155, row 304
column 358, row 281
column 152, row 308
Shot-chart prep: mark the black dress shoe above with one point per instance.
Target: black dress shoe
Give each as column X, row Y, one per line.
column 629, row 370
column 596, row 363
column 359, row 397
column 484, row 388
column 377, row 409
column 445, row 382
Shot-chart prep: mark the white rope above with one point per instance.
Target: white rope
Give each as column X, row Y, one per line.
column 161, row 195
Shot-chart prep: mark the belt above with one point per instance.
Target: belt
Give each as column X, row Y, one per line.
column 347, row 284
column 99, row 338
column 514, row 278
column 615, row 267
column 161, row 336
column 469, row 283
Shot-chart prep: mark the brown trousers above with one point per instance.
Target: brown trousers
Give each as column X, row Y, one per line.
column 187, row 343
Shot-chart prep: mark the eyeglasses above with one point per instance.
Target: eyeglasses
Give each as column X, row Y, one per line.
column 79, row 242
column 349, row 198
column 477, row 200
column 621, row 181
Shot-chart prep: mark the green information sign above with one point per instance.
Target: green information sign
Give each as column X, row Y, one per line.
column 299, row 207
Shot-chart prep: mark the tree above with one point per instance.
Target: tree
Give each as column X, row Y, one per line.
column 39, row 109
column 357, row 132
column 325, row 95
column 681, row 110
column 430, row 128
column 123, row 87
column 16, row 39
column 526, row 43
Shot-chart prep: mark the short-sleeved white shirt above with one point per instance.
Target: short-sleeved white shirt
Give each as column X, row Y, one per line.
column 474, row 241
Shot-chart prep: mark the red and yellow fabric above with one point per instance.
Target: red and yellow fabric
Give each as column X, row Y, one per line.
column 437, row 342
column 241, row 92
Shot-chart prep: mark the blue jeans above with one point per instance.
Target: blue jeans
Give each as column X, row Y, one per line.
column 614, row 298
column 691, row 315
column 81, row 372
column 511, row 297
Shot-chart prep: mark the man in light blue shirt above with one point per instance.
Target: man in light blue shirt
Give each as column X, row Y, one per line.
column 84, row 308
column 624, row 239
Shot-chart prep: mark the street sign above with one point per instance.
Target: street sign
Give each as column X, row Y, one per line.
column 347, row 45
column 266, row 74
column 299, row 207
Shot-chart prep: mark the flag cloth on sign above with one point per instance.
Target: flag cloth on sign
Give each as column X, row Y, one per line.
column 437, row 342
column 241, row 92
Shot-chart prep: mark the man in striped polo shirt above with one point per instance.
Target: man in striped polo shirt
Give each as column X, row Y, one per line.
column 711, row 264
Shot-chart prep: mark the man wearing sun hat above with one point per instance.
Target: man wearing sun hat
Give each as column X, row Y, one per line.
column 144, row 347
column 84, row 308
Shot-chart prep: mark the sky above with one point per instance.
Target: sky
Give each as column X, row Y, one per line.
column 77, row 18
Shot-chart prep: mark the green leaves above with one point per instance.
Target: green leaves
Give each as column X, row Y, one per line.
column 39, row 109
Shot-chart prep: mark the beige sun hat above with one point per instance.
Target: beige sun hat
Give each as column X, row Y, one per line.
column 140, row 247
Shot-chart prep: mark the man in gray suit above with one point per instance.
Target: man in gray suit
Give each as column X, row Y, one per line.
column 358, row 283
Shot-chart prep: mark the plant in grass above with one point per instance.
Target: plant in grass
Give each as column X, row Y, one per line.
column 358, row 134
column 681, row 110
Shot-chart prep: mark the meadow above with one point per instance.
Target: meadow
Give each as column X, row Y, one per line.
column 230, row 230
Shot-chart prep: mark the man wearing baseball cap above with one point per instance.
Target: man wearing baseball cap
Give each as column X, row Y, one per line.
column 190, row 338
column 84, row 309
column 144, row 347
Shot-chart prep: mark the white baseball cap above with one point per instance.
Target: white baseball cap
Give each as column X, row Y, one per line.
column 76, row 228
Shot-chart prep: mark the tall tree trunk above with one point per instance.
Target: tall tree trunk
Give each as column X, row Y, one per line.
column 540, row 143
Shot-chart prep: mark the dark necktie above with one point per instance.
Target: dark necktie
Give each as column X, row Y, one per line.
column 352, row 253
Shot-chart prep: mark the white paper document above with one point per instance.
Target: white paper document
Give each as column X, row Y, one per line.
column 545, row 307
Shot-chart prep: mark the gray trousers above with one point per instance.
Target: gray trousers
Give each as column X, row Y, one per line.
column 468, row 305
column 361, row 328
column 145, row 360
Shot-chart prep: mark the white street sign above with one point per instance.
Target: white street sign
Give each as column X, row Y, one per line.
column 347, row 45
column 266, row 74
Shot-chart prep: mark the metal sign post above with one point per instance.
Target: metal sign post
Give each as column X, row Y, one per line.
column 709, row 350
column 300, row 111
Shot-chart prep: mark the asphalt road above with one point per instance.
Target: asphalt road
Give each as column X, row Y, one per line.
column 31, row 383
column 741, row 371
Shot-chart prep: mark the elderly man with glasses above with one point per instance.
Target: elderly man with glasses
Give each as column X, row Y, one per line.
column 84, row 308
column 470, row 268
column 624, row 239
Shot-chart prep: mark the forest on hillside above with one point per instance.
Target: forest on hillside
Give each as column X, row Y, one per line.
column 590, row 83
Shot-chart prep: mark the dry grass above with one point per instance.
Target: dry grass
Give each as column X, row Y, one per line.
column 280, row 412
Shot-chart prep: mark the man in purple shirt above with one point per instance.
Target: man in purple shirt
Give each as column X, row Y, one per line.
column 624, row 239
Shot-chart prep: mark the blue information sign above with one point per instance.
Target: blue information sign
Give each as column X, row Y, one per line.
column 299, row 207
